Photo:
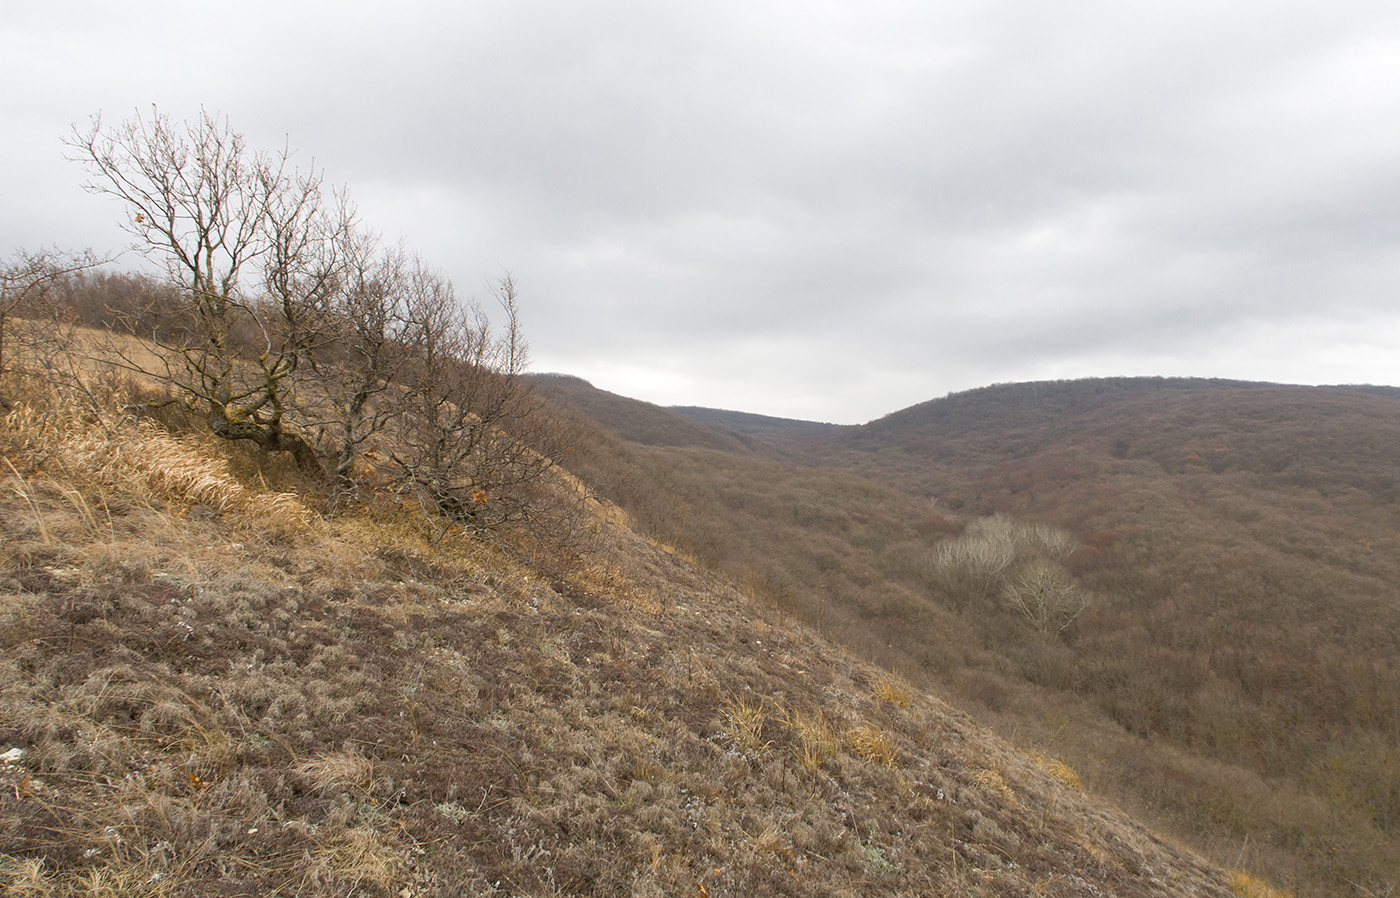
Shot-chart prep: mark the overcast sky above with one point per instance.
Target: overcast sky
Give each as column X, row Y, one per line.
column 823, row 210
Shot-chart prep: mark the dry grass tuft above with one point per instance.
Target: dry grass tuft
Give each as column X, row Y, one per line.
column 870, row 743
column 610, row 579
column 1248, row 886
column 360, row 855
column 894, row 689
column 105, row 449
column 746, row 718
column 118, row 878
column 990, row 778
column 337, row 772
column 772, row 839
column 817, row 741
column 24, row 877
column 1058, row 769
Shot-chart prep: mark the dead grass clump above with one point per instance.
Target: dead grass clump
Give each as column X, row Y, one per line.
column 895, row 690
column 119, row 877
column 746, row 717
column 1248, row 886
column 359, row 855
column 990, row 778
column 25, row 877
column 610, row 580
column 98, row 452
column 337, row 771
column 817, row 741
column 771, row 839
column 870, row 743
column 1058, row 769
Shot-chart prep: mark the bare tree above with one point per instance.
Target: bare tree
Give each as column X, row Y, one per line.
column 299, row 331
column 28, row 287
column 1045, row 597
column 374, row 334
column 250, row 242
column 470, row 440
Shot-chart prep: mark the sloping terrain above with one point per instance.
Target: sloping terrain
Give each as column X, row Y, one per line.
column 1226, row 662
column 766, row 426
column 1241, row 540
column 214, row 686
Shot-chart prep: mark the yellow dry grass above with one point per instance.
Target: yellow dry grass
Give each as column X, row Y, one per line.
column 608, row 579
column 1248, row 886
column 107, row 450
column 894, row 689
column 990, row 778
column 817, row 741
column 746, row 717
column 119, row 878
column 336, row 771
column 361, row 855
column 870, row 743
column 1058, row 769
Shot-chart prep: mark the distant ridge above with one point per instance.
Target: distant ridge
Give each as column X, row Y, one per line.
column 635, row 420
column 766, row 426
column 1030, row 403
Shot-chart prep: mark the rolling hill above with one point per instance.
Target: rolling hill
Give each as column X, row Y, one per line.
column 1233, row 673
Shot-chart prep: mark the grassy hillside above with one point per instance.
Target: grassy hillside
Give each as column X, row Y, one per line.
column 1233, row 672
column 216, row 682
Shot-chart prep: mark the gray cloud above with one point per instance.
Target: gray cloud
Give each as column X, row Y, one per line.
column 826, row 211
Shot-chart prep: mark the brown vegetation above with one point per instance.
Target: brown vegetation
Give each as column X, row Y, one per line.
column 213, row 685
column 1224, row 661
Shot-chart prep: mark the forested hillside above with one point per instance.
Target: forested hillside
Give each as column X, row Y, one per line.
column 1187, row 586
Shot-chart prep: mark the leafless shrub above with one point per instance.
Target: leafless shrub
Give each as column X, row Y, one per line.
column 36, row 329
column 251, row 244
column 469, row 439
column 1019, row 561
column 298, row 332
column 1045, row 597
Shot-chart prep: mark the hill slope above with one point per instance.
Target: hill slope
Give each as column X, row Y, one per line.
column 634, row 420
column 766, row 426
column 209, row 687
column 1235, row 675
